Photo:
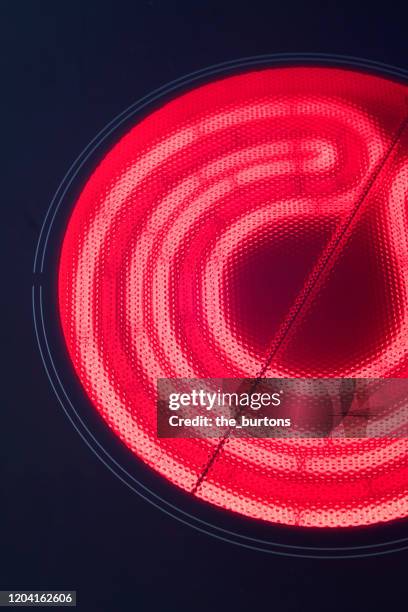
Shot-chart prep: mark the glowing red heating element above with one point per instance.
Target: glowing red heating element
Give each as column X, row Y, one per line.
column 256, row 224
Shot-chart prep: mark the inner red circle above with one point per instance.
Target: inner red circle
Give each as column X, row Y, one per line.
column 255, row 224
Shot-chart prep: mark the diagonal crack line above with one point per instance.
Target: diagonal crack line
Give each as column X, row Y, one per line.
column 310, row 287
column 322, row 268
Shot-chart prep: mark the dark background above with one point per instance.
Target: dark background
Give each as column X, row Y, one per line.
column 65, row 521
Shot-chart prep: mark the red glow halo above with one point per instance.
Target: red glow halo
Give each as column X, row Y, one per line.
column 194, row 240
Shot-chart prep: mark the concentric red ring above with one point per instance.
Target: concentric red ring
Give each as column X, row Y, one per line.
column 254, row 225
